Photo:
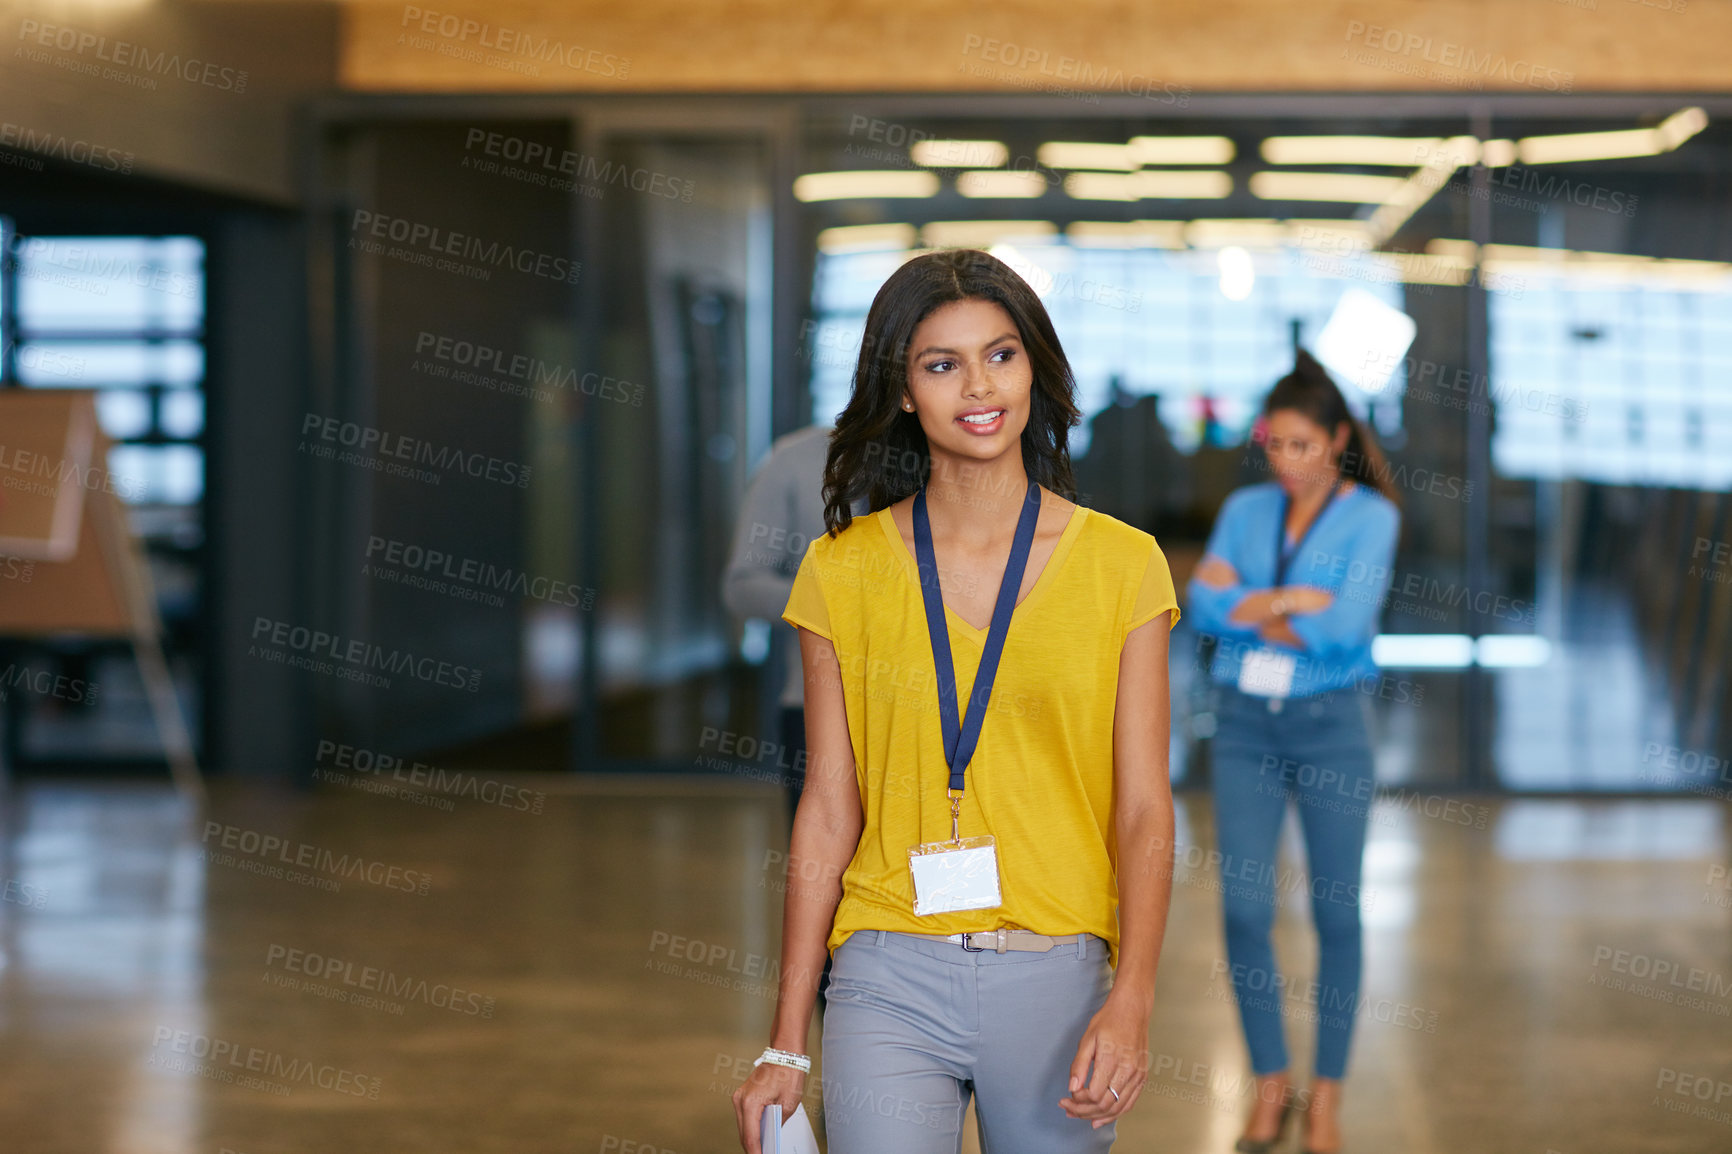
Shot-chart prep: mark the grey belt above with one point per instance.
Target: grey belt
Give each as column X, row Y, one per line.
column 1003, row 939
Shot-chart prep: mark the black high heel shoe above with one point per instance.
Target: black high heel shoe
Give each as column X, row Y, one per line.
column 1265, row 1145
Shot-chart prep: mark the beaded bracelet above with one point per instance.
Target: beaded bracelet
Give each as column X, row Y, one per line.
column 787, row 1058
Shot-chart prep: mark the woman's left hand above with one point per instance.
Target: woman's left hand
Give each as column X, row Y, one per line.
column 1116, row 1042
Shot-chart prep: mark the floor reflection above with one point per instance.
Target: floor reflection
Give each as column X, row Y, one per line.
column 623, row 940
column 105, row 950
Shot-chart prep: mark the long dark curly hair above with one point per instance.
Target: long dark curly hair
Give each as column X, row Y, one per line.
column 878, row 449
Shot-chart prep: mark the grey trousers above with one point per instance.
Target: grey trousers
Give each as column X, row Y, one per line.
column 912, row 1027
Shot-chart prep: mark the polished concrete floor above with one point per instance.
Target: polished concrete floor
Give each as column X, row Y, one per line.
column 494, row 971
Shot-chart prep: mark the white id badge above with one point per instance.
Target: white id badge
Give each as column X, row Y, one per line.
column 1267, row 672
column 955, row 875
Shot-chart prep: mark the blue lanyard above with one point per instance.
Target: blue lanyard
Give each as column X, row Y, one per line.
column 1284, row 553
column 961, row 738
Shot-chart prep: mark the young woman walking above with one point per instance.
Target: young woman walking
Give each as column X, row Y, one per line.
column 1291, row 583
column 985, row 839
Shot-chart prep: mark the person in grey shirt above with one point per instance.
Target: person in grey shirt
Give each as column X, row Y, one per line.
column 783, row 512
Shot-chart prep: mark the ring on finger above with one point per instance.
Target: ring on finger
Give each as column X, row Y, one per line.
column 1116, row 1097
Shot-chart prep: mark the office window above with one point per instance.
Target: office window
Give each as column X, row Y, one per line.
column 124, row 316
column 1617, row 384
column 1157, row 321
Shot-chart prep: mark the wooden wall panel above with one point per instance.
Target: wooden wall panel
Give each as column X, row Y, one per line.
column 1168, row 49
column 197, row 92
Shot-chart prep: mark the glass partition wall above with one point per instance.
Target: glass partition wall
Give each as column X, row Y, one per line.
column 582, row 301
column 1527, row 303
column 685, row 317
column 1611, row 458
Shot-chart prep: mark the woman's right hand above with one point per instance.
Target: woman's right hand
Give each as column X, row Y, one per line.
column 768, row 1083
column 1258, row 609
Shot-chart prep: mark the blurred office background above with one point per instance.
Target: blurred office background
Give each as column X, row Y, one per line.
column 613, row 252
column 199, row 251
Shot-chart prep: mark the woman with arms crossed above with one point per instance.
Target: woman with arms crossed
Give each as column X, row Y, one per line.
column 1291, row 584
column 991, row 867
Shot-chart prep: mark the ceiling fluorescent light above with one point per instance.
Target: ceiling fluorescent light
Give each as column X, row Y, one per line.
column 992, row 185
column 864, row 185
column 1443, row 163
column 1149, row 184
column 1126, row 233
column 1397, row 151
column 1630, row 142
column 1498, row 153
column 1348, row 188
column 1681, row 126
column 1100, row 186
column 1158, row 150
column 1244, row 233
column 1524, row 252
column 1463, row 252
column 865, row 237
column 1594, row 267
column 984, row 233
column 1066, row 154
column 1606, row 268
column 1164, row 184
column 1683, row 272
column 1578, row 146
column 1339, row 235
column 960, row 153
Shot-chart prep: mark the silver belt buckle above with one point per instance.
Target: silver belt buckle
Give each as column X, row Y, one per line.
column 1002, row 941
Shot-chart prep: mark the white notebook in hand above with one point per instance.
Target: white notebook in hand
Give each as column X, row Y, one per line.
column 794, row 1136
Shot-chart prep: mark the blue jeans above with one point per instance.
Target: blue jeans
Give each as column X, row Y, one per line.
column 1316, row 751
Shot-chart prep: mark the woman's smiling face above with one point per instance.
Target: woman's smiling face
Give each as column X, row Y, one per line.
column 969, row 379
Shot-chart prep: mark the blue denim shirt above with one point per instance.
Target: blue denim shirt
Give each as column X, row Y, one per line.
column 1349, row 551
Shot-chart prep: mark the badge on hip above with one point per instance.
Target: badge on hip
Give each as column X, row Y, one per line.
column 1267, row 672
column 960, row 874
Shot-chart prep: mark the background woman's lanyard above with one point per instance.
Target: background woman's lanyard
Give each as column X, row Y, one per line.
column 961, row 738
column 1284, row 553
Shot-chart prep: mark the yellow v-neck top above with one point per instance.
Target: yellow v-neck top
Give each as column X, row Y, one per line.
column 1041, row 779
